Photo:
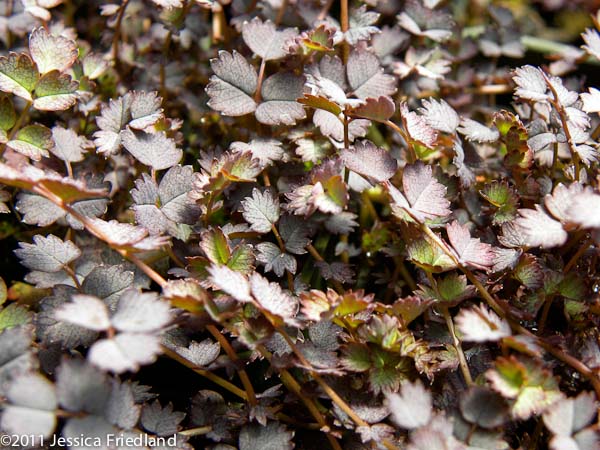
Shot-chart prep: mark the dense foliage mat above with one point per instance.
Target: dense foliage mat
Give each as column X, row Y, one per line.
column 300, row 224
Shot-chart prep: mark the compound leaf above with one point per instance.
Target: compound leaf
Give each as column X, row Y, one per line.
column 47, row 254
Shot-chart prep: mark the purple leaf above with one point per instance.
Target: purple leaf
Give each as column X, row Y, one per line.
column 470, row 251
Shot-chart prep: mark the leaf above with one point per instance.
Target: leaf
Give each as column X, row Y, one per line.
column 81, row 387
column 55, row 92
column 18, row 75
column 113, row 118
column 469, row 251
column 15, row 354
column 139, row 312
column 439, row 115
column 51, row 52
column 361, row 24
column 125, row 235
column 121, row 409
column 379, row 109
column 479, row 324
column 85, row 311
column 230, row 282
column 166, row 207
column 274, row 259
column 108, row 282
column 475, row 131
column 294, row 232
column 30, row 408
column 261, row 210
column 94, row 429
column 371, row 161
column 14, row 315
column 332, row 126
column 33, row 141
column 592, row 38
column 48, row 254
column 200, row 353
column 570, row 415
column 583, row 211
column 428, row 255
column 145, row 109
column 279, row 93
column 232, row 86
column 125, row 352
column 264, row 39
column 531, row 84
column 152, row 149
column 366, row 77
column 68, row 145
column 483, row 407
column 52, row 331
column 272, row 436
column 271, row 298
column 266, row 151
column 532, row 388
column 417, row 128
column 591, row 100
column 215, row 246
column 412, row 407
column 424, row 196
column 539, row 229
column 161, row 421
column 8, row 116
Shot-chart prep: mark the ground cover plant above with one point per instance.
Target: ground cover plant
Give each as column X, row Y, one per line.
column 300, row 224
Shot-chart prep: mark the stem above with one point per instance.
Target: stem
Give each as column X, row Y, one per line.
column 411, row 154
column 233, row 356
column 324, row 10
column 345, row 25
column 462, row 360
column 206, row 374
column 290, row 383
column 563, row 119
column 584, row 247
column 17, row 125
column 290, row 278
column 163, row 62
column 328, row 389
column 515, row 325
column 196, row 431
column 117, row 35
column 261, row 75
column 545, row 312
column 316, row 255
column 71, row 273
column 281, row 12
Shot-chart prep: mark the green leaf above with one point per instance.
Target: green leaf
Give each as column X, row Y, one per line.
column 14, row 315
column 503, row 198
column 429, row 256
column 452, row 289
column 357, row 357
column 3, row 291
column 215, row 245
column 33, row 141
column 8, row 116
column 242, row 259
column 18, row 75
column 531, row 388
column 55, row 92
